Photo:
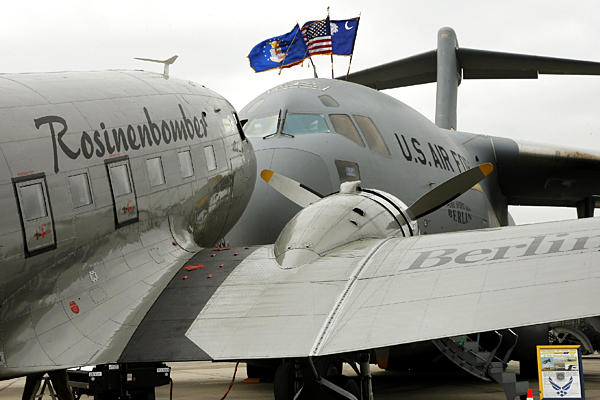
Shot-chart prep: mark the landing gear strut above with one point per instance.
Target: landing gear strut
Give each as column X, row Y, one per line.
column 322, row 378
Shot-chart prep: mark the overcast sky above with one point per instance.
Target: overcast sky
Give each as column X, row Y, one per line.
column 213, row 38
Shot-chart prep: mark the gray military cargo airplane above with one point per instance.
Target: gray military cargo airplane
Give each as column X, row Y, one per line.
column 323, row 133
column 349, row 278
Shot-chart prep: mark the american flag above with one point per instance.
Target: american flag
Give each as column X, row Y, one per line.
column 317, row 36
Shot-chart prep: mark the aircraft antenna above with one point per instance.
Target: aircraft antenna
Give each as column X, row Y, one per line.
column 166, row 62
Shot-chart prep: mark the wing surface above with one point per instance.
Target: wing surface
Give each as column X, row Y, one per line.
column 381, row 292
column 475, row 64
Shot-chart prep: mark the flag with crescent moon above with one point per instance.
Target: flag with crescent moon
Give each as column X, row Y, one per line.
column 343, row 35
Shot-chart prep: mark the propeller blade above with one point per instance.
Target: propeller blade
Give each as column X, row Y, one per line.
column 448, row 191
column 296, row 192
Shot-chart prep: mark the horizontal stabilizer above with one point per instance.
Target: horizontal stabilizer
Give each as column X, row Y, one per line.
column 482, row 64
column 410, row 71
column 475, row 64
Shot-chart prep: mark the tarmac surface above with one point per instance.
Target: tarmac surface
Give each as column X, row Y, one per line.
column 209, row 381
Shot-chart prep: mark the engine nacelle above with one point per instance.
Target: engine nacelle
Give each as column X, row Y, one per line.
column 350, row 215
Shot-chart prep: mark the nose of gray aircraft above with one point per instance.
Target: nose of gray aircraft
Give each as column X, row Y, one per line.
column 268, row 211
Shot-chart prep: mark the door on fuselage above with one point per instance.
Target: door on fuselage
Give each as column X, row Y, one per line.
column 35, row 214
column 123, row 191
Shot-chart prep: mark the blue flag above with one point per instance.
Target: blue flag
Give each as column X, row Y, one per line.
column 281, row 51
column 343, row 35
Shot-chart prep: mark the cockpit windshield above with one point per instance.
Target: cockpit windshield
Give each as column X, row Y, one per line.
column 262, row 126
column 299, row 124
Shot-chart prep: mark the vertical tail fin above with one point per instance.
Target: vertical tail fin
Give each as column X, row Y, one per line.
column 448, row 79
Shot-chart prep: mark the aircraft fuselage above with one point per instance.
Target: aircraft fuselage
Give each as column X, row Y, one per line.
column 108, row 181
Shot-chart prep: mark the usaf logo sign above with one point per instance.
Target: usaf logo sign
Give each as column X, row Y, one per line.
column 560, row 372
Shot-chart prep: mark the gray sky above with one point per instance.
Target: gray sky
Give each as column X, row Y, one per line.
column 213, row 39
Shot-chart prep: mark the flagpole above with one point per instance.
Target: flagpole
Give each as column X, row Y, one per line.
column 349, row 64
column 352, row 55
column 328, row 28
column 332, row 66
column 314, row 68
column 287, row 51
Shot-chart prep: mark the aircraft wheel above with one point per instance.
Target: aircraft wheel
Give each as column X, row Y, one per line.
column 567, row 335
column 265, row 374
column 328, row 366
column 285, row 384
column 346, row 383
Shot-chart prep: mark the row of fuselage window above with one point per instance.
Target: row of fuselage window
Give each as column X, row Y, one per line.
column 33, row 197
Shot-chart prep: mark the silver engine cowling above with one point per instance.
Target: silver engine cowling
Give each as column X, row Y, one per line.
column 350, row 215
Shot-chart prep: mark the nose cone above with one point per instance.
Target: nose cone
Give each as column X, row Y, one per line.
column 268, row 211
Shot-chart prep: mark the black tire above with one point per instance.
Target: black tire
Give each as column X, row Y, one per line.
column 285, row 384
column 265, row 374
column 328, row 366
column 346, row 383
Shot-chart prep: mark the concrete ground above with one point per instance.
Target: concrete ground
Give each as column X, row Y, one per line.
column 204, row 380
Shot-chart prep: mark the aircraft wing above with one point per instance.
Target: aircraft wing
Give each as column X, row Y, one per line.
column 536, row 174
column 381, row 292
column 545, row 175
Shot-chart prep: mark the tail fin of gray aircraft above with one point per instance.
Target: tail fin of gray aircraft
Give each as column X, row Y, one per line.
column 449, row 64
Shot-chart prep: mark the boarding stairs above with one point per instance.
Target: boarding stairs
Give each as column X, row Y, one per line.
column 471, row 357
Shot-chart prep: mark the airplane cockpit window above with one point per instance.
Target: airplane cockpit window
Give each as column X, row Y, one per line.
column 343, row 125
column 185, row 162
column 34, row 204
column 80, row 190
column 155, row 171
column 372, row 135
column 119, row 175
column 299, row 124
column 262, row 126
column 328, row 101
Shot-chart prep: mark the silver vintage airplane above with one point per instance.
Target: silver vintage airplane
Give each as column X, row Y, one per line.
column 109, row 181
column 350, row 277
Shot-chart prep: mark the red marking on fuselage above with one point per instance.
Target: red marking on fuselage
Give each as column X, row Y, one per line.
column 74, row 307
column 127, row 207
column 193, row 267
column 114, row 155
column 41, row 234
column 25, row 173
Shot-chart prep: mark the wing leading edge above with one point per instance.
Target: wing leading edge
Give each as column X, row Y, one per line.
column 382, row 292
column 474, row 64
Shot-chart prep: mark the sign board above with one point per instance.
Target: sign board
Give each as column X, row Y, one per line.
column 560, row 372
